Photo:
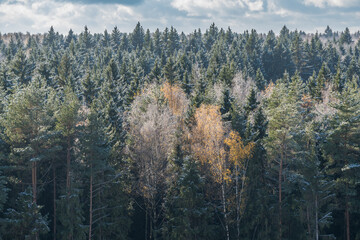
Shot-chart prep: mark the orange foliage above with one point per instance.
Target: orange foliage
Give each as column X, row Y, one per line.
column 175, row 97
column 268, row 90
column 306, row 102
column 238, row 151
column 207, row 140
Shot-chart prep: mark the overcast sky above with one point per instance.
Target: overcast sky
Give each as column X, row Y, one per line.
column 36, row 16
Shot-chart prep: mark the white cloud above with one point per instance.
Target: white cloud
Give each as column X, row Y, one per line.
column 186, row 15
column 38, row 16
column 254, row 5
column 200, row 7
column 331, row 3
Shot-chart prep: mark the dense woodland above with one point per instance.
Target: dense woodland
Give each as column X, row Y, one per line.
column 165, row 135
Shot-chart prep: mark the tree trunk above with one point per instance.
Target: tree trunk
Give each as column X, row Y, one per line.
column 308, row 222
column 91, row 203
column 54, row 197
column 237, row 202
column 146, row 223
column 239, row 196
column 34, row 181
column 151, row 229
column 280, row 198
column 34, row 185
column 224, row 210
column 68, row 159
column 154, row 219
column 347, row 217
column 316, row 218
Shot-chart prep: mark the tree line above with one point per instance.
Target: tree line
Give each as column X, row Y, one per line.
column 167, row 135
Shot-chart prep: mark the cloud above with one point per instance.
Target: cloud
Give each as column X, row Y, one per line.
column 332, row 3
column 254, row 5
column 185, row 15
column 209, row 8
column 38, row 16
column 122, row 2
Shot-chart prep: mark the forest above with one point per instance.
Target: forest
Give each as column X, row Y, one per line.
column 166, row 135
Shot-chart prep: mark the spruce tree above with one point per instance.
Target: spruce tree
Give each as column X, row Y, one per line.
column 260, row 80
column 115, row 38
column 342, row 150
column 188, row 214
column 137, row 36
column 345, row 37
column 21, row 69
column 65, row 77
column 26, row 220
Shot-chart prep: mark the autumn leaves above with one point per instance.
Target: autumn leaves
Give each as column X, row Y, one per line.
column 158, row 124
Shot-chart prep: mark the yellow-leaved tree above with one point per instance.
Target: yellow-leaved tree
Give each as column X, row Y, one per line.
column 207, row 144
column 178, row 103
column 239, row 155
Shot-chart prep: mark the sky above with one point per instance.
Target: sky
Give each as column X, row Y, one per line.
column 37, row 16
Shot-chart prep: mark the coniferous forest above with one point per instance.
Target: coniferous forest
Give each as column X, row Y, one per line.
column 164, row 135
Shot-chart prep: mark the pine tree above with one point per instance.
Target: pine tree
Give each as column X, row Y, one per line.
column 66, row 121
column 283, row 115
column 94, row 153
column 27, row 122
column 342, row 150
